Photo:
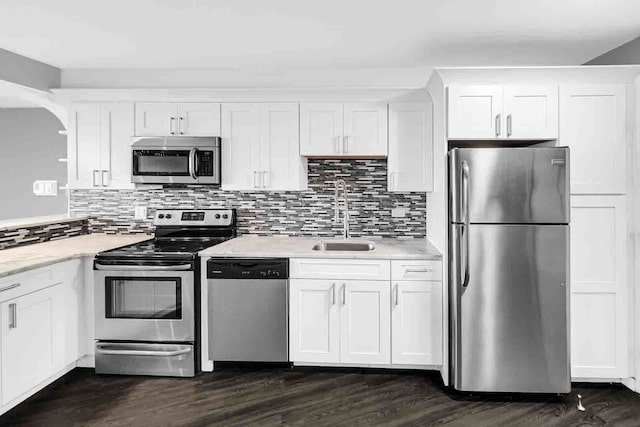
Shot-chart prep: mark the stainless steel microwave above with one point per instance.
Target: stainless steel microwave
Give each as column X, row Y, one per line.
column 175, row 160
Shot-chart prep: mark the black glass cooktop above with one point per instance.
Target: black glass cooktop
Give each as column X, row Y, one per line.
column 156, row 248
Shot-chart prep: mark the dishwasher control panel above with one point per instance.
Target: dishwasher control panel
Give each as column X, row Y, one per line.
column 241, row 268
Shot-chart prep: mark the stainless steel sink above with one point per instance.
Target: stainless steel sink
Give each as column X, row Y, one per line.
column 344, row 245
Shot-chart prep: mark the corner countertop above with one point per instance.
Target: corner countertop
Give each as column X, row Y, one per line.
column 24, row 258
column 250, row 246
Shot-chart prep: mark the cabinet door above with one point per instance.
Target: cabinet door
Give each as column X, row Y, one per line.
column 321, row 129
column 416, row 323
column 156, row 119
column 30, row 341
column 475, row 112
column 365, row 130
column 599, row 339
column 410, row 161
column 593, row 125
column 241, row 146
column 116, row 131
column 365, row 324
column 72, row 309
column 84, row 147
column 531, row 112
column 199, row 119
column 282, row 167
column 314, row 334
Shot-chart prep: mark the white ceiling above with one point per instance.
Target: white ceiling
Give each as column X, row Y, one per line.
column 328, row 33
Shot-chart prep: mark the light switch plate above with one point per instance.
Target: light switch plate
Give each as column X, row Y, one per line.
column 45, row 188
column 140, row 212
column 398, row 212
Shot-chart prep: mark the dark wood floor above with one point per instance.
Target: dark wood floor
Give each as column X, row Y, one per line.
column 307, row 397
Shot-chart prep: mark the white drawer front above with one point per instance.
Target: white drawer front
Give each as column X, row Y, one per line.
column 416, row 270
column 27, row 282
column 340, row 269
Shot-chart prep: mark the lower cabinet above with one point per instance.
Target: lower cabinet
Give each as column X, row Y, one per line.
column 32, row 336
column 366, row 322
column 416, row 323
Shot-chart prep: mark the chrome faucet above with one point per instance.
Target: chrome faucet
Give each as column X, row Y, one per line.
column 341, row 185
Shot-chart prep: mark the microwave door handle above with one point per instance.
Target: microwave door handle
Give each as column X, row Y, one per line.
column 192, row 163
column 467, row 222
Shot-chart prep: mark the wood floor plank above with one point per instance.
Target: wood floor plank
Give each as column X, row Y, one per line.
column 308, row 397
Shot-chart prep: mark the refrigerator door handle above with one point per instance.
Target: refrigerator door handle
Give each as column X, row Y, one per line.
column 465, row 217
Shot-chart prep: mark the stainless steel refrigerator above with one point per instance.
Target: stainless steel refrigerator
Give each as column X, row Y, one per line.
column 509, row 269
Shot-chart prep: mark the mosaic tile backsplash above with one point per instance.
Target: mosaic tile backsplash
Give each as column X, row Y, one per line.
column 21, row 236
column 299, row 213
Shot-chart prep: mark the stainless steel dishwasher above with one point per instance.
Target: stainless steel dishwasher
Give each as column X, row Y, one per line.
column 248, row 314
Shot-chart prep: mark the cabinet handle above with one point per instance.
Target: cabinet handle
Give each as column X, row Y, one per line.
column 6, row 288
column 344, row 294
column 180, row 122
column 336, row 145
column 395, row 295
column 105, row 173
column 392, row 181
column 345, row 144
column 418, row 270
column 333, row 294
column 509, row 120
column 13, row 316
column 256, row 178
column 93, row 178
column 171, row 122
column 498, row 125
column 265, row 176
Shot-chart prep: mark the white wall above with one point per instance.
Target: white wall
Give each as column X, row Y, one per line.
column 30, row 147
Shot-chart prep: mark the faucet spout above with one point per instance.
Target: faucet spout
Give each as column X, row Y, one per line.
column 341, row 185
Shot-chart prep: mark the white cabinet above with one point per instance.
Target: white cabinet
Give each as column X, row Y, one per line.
column 260, row 146
column 99, row 145
column 593, row 125
column 314, row 331
column 503, row 112
column 32, row 336
column 416, row 323
column 599, row 337
column 343, row 130
column 410, row 161
column 167, row 119
column 339, row 321
column 365, row 324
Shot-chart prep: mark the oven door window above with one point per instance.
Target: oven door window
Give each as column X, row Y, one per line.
column 143, row 298
column 161, row 162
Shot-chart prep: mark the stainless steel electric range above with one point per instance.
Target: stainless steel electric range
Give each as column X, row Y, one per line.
column 147, row 299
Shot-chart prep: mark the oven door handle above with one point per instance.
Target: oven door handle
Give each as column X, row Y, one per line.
column 192, row 163
column 180, row 267
column 105, row 350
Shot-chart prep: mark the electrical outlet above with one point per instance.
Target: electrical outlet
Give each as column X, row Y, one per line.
column 140, row 212
column 398, row 212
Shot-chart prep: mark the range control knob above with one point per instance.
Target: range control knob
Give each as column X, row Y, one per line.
column 168, row 216
column 217, row 216
column 161, row 216
column 225, row 216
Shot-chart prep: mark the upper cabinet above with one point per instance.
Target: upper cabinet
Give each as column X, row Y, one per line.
column 343, row 130
column 260, row 148
column 593, row 125
column 99, row 139
column 503, row 112
column 410, row 161
column 175, row 119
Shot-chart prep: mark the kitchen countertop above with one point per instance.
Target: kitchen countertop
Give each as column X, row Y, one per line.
column 12, row 224
column 301, row 247
column 24, row 258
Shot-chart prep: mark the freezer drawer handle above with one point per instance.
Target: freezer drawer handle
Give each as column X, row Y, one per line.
column 105, row 350
column 465, row 229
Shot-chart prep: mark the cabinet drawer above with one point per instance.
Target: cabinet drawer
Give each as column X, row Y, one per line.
column 30, row 281
column 416, row 270
column 340, row 269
